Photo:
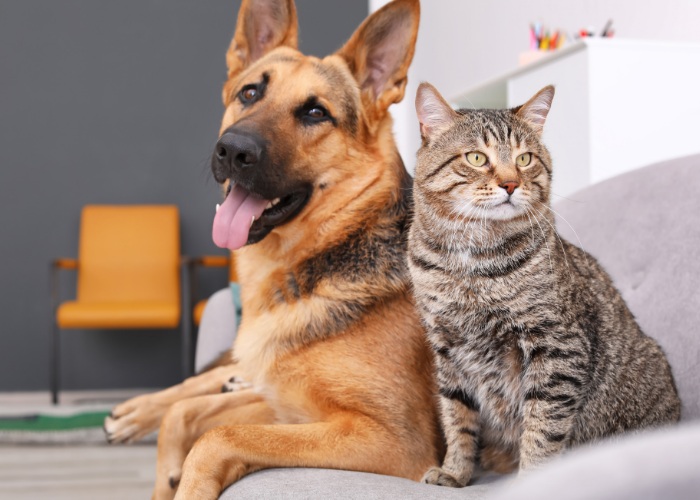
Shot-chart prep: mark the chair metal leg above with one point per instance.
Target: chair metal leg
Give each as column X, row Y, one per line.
column 186, row 321
column 186, row 349
column 55, row 362
column 54, row 347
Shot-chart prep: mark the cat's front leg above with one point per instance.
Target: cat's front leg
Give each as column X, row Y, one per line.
column 460, row 419
column 552, row 399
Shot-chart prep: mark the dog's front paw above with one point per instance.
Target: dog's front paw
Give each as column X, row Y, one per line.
column 235, row 384
column 133, row 419
column 439, row 477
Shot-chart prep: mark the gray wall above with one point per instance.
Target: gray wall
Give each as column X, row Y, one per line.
column 111, row 102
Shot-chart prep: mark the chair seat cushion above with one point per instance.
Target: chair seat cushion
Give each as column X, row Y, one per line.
column 77, row 314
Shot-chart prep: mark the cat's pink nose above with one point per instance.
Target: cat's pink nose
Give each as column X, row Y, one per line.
column 509, row 186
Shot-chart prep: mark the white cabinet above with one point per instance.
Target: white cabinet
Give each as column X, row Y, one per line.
column 619, row 105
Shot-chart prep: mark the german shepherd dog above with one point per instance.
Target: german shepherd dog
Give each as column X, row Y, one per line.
column 317, row 200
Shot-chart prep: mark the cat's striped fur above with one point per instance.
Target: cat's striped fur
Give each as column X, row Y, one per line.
column 535, row 349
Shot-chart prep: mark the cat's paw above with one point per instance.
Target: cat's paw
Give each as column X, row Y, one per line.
column 439, row 477
column 235, row 384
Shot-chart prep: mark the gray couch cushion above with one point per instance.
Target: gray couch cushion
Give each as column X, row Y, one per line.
column 660, row 464
column 644, row 228
column 327, row 484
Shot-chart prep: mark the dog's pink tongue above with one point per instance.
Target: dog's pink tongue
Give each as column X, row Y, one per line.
column 232, row 220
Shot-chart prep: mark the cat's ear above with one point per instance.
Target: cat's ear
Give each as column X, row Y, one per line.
column 434, row 113
column 380, row 52
column 535, row 110
column 263, row 25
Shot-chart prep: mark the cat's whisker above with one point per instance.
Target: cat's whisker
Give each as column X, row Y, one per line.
column 479, row 223
column 483, row 220
column 544, row 236
column 532, row 227
column 469, row 216
column 457, row 213
column 572, row 228
column 466, row 227
column 556, row 234
column 471, row 103
column 565, row 198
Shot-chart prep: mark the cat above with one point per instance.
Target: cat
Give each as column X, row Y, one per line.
column 536, row 351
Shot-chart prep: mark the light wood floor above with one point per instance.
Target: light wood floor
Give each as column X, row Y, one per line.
column 77, row 473
column 73, row 472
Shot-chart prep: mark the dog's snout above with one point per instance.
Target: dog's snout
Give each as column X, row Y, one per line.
column 237, row 150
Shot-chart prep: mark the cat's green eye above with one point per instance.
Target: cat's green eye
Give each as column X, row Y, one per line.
column 477, row 159
column 524, row 159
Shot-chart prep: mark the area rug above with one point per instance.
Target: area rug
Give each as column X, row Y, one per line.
column 61, row 428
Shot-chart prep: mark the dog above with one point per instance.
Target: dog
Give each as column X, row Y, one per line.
column 317, row 205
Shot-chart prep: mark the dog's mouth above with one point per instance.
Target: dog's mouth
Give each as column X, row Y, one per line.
column 245, row 217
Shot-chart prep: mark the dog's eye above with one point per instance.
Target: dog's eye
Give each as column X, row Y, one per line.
column 317, row 113
column 312, row 113
column 249, row 94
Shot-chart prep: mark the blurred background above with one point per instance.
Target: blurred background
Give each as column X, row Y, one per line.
column 119, row 102
column 111, row 103
column 463, row 43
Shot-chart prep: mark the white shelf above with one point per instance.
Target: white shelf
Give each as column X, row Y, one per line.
column 619, row 105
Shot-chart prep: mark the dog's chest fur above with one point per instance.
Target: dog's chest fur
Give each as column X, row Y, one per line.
column 296, row 306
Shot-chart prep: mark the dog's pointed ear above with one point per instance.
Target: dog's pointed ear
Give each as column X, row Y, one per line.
column 262, row 26
column 380, row 52
column 434, row 113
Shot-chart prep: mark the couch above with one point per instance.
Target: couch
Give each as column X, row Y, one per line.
column 644, row 227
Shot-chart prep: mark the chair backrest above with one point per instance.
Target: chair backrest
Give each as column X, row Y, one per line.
column 129, row 253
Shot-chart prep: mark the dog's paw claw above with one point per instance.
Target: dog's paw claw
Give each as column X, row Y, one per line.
column 235, row 384
column 130, row 421
column 174, row 479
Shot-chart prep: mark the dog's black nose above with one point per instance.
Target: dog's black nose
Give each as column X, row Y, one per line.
column 238, row 150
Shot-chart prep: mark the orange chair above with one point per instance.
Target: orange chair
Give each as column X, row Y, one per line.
column 129, row 276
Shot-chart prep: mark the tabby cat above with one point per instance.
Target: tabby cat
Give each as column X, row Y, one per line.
column 536, row 350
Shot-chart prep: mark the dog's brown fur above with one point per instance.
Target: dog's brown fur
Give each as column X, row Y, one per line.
column 329, row 338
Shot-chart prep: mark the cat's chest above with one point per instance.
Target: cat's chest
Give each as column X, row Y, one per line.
column 490, row 358
column 486, row 353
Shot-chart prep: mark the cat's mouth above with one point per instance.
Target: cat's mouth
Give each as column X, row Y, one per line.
column 504, row 210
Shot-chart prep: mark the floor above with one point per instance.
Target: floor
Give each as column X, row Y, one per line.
column 74, row 472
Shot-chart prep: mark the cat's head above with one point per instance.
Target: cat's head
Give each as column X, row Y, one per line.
column 483, row 163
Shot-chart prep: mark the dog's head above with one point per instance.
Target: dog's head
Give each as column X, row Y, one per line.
column 297, row 128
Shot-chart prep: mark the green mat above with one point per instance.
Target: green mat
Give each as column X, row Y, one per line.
column 44, row 428
column 44, row 423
